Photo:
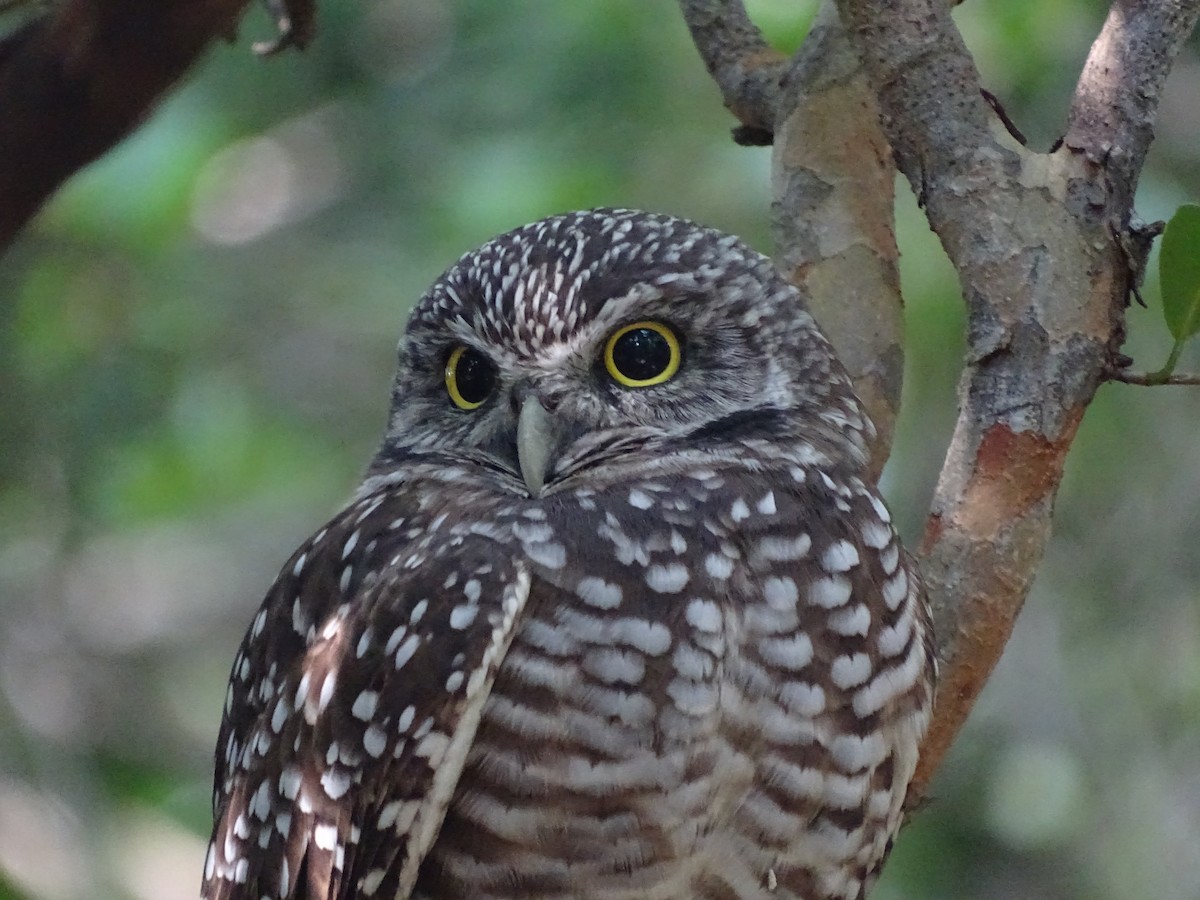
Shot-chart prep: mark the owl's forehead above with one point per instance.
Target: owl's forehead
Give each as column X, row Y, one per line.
column 542, row 283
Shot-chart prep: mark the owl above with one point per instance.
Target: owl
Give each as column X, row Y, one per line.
column 615, row 614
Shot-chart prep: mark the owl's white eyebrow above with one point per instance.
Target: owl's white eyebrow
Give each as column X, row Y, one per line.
column 618, row 308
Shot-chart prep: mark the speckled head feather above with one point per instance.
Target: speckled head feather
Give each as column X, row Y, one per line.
column 577, row 638
column 539, row 302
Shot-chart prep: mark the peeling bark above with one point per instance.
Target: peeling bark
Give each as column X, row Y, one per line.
column 833, row 183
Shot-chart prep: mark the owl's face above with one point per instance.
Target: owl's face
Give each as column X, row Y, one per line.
column 594, row 341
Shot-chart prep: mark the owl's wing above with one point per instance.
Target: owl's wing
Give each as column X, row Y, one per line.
column 838, row 663
column 353, row 701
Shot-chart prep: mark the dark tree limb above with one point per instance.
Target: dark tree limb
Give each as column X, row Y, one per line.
column 80, row 78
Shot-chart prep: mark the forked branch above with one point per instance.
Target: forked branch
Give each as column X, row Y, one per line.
column 1038, row 242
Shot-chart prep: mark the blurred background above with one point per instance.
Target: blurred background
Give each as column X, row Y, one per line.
column 196, row 342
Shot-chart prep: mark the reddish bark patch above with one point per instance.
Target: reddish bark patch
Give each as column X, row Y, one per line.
column 1014, row 470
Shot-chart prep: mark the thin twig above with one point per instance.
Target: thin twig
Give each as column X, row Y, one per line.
column 1146, row 379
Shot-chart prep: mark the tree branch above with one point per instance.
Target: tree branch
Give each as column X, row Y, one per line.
column 744, row 67
column 1116, row 99
column 1045, row 282
column 77, row 80
column 834, row 195
column 833, row 183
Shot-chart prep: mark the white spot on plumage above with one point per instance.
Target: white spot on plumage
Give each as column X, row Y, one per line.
column 850, row 622
column 718, row 566
column 781, row 593
column 793, row 652
column 299, row 622
column 895, row 589
column 364, row 642
column 406, row 650
column 462, row 616
column 301, row 692
column 394, row 641
column 880, row 510
column 280, row 714
column 678, row 543
column 639, row 499
column 289, row 783
column 668, row 579
column 336, row 783
column 325, row 836
column 418, row 611
column 598, row 593
column 364, row 705
column 652, row 638
column 876, row 535
column 895, row 638
column 739, row 510
column 854, row 752
column 703, row 615
column 433, row 747
column 374, row 741
column 549, row 554
column 889, row 559
column 612, row 665
column 781, row 549
column 840, row 556
column 327, row 688
column 803, row 699
column 372, row 880
column 851, row 670
column 829, row 592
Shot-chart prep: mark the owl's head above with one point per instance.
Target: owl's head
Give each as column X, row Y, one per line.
column 600, row 343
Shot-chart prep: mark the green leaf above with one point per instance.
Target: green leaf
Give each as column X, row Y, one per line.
column 1179, row 272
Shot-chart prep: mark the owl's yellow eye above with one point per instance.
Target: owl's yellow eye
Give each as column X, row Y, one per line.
column 470, row 377
column 642, row 354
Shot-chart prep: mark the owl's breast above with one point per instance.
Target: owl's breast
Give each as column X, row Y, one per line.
column 600, row 769
column 665, row 679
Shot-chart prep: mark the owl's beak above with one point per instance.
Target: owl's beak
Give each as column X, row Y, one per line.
column 536, row 440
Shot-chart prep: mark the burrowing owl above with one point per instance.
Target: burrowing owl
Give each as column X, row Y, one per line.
column 613, row 615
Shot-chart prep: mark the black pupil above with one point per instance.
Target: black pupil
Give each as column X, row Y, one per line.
column 641, row 354
column 474, row 376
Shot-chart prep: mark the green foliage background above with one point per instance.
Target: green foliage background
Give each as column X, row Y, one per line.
column 196, row 341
